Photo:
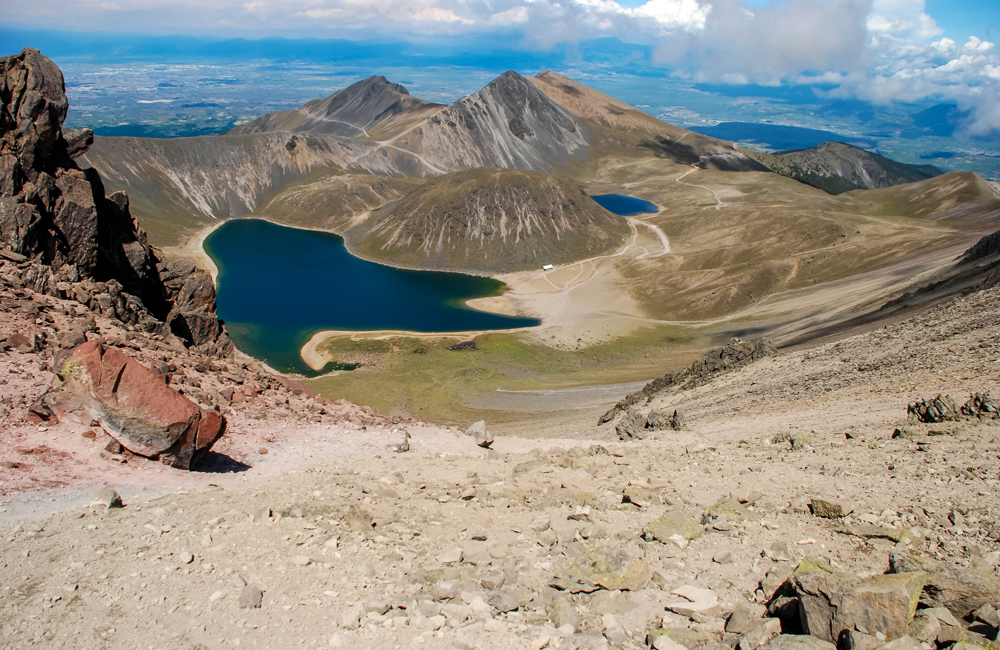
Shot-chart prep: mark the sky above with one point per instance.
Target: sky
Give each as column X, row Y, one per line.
column 875, row 50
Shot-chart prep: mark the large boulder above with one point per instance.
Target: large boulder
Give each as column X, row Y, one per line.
column 960, row 589
column 831, row 602
column 134, row 405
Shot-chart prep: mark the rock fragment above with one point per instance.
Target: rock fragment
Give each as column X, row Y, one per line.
column 696, row 601
column 480, row 434
column 673, row 523
column 132, row 403
column 251, row 597
column 106, row 498
column 830, row 508
column 602, row 568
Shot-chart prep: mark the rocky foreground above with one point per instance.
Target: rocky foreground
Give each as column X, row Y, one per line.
column 799, row 505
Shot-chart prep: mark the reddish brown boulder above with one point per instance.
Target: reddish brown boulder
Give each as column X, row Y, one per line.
column 133, row 405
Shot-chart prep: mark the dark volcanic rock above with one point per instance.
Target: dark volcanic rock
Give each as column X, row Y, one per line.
column 736, row 354
column 940, row 409
column 57, row 214
column 133, row 405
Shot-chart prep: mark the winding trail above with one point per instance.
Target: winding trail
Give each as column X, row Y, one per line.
column 588, row 267
column 719, row 203
column 659, row 233
column 328, row 119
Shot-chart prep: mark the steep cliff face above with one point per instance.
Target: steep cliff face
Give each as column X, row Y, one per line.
column 57, row 215
column 495, row 220
column 179, row 185
column 373, row 108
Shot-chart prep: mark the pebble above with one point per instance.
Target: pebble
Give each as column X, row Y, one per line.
column 218, row 595
column 300, row 560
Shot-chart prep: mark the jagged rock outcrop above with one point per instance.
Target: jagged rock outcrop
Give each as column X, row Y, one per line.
column 733, row 356
column 133, row 405
column 75, row 241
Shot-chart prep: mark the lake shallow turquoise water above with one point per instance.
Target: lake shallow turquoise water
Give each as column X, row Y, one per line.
column 626, row 206
column 277, row 286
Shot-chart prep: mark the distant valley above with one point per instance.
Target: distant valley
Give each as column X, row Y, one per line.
column 745, row 243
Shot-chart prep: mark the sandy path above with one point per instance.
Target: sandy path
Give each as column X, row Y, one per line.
column 719, row 203
column 327, row 119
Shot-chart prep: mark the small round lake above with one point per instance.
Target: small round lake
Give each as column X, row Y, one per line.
column 626, row 206
column 277, row 286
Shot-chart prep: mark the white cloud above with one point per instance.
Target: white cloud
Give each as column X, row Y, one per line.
column 902, row 18
column 879, row 50
column 771, row 44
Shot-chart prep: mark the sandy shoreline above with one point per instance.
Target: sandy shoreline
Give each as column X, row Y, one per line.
column 504, row 304
column 316, row 359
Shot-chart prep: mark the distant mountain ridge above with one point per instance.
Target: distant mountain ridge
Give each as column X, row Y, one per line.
column 373, row 108
column 836, row 167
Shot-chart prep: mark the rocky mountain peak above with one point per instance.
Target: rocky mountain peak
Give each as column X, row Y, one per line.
column 59, row 225
column 380, row 82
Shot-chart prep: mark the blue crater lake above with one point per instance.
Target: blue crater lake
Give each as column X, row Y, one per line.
column 277, row 286
column 626, row 206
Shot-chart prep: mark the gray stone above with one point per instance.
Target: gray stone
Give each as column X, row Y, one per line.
column 744, row 616
column 798, row 642
column 903, row 643
column 107, row 498
column 601, row 568
column 987, row 614
column 503, row 601
column 657, row 421
column 939, row 409
column 481, row 435
column 632, row 426
column 925, row 628
column 854, row 640
column 831, row 601
column 251, row 597
column 672, row 523
column 780, row 552
column 959, row 589
column 563, row 613
column 760, row 633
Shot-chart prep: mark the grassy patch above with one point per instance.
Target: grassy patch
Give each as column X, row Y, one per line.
column 423, row 378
